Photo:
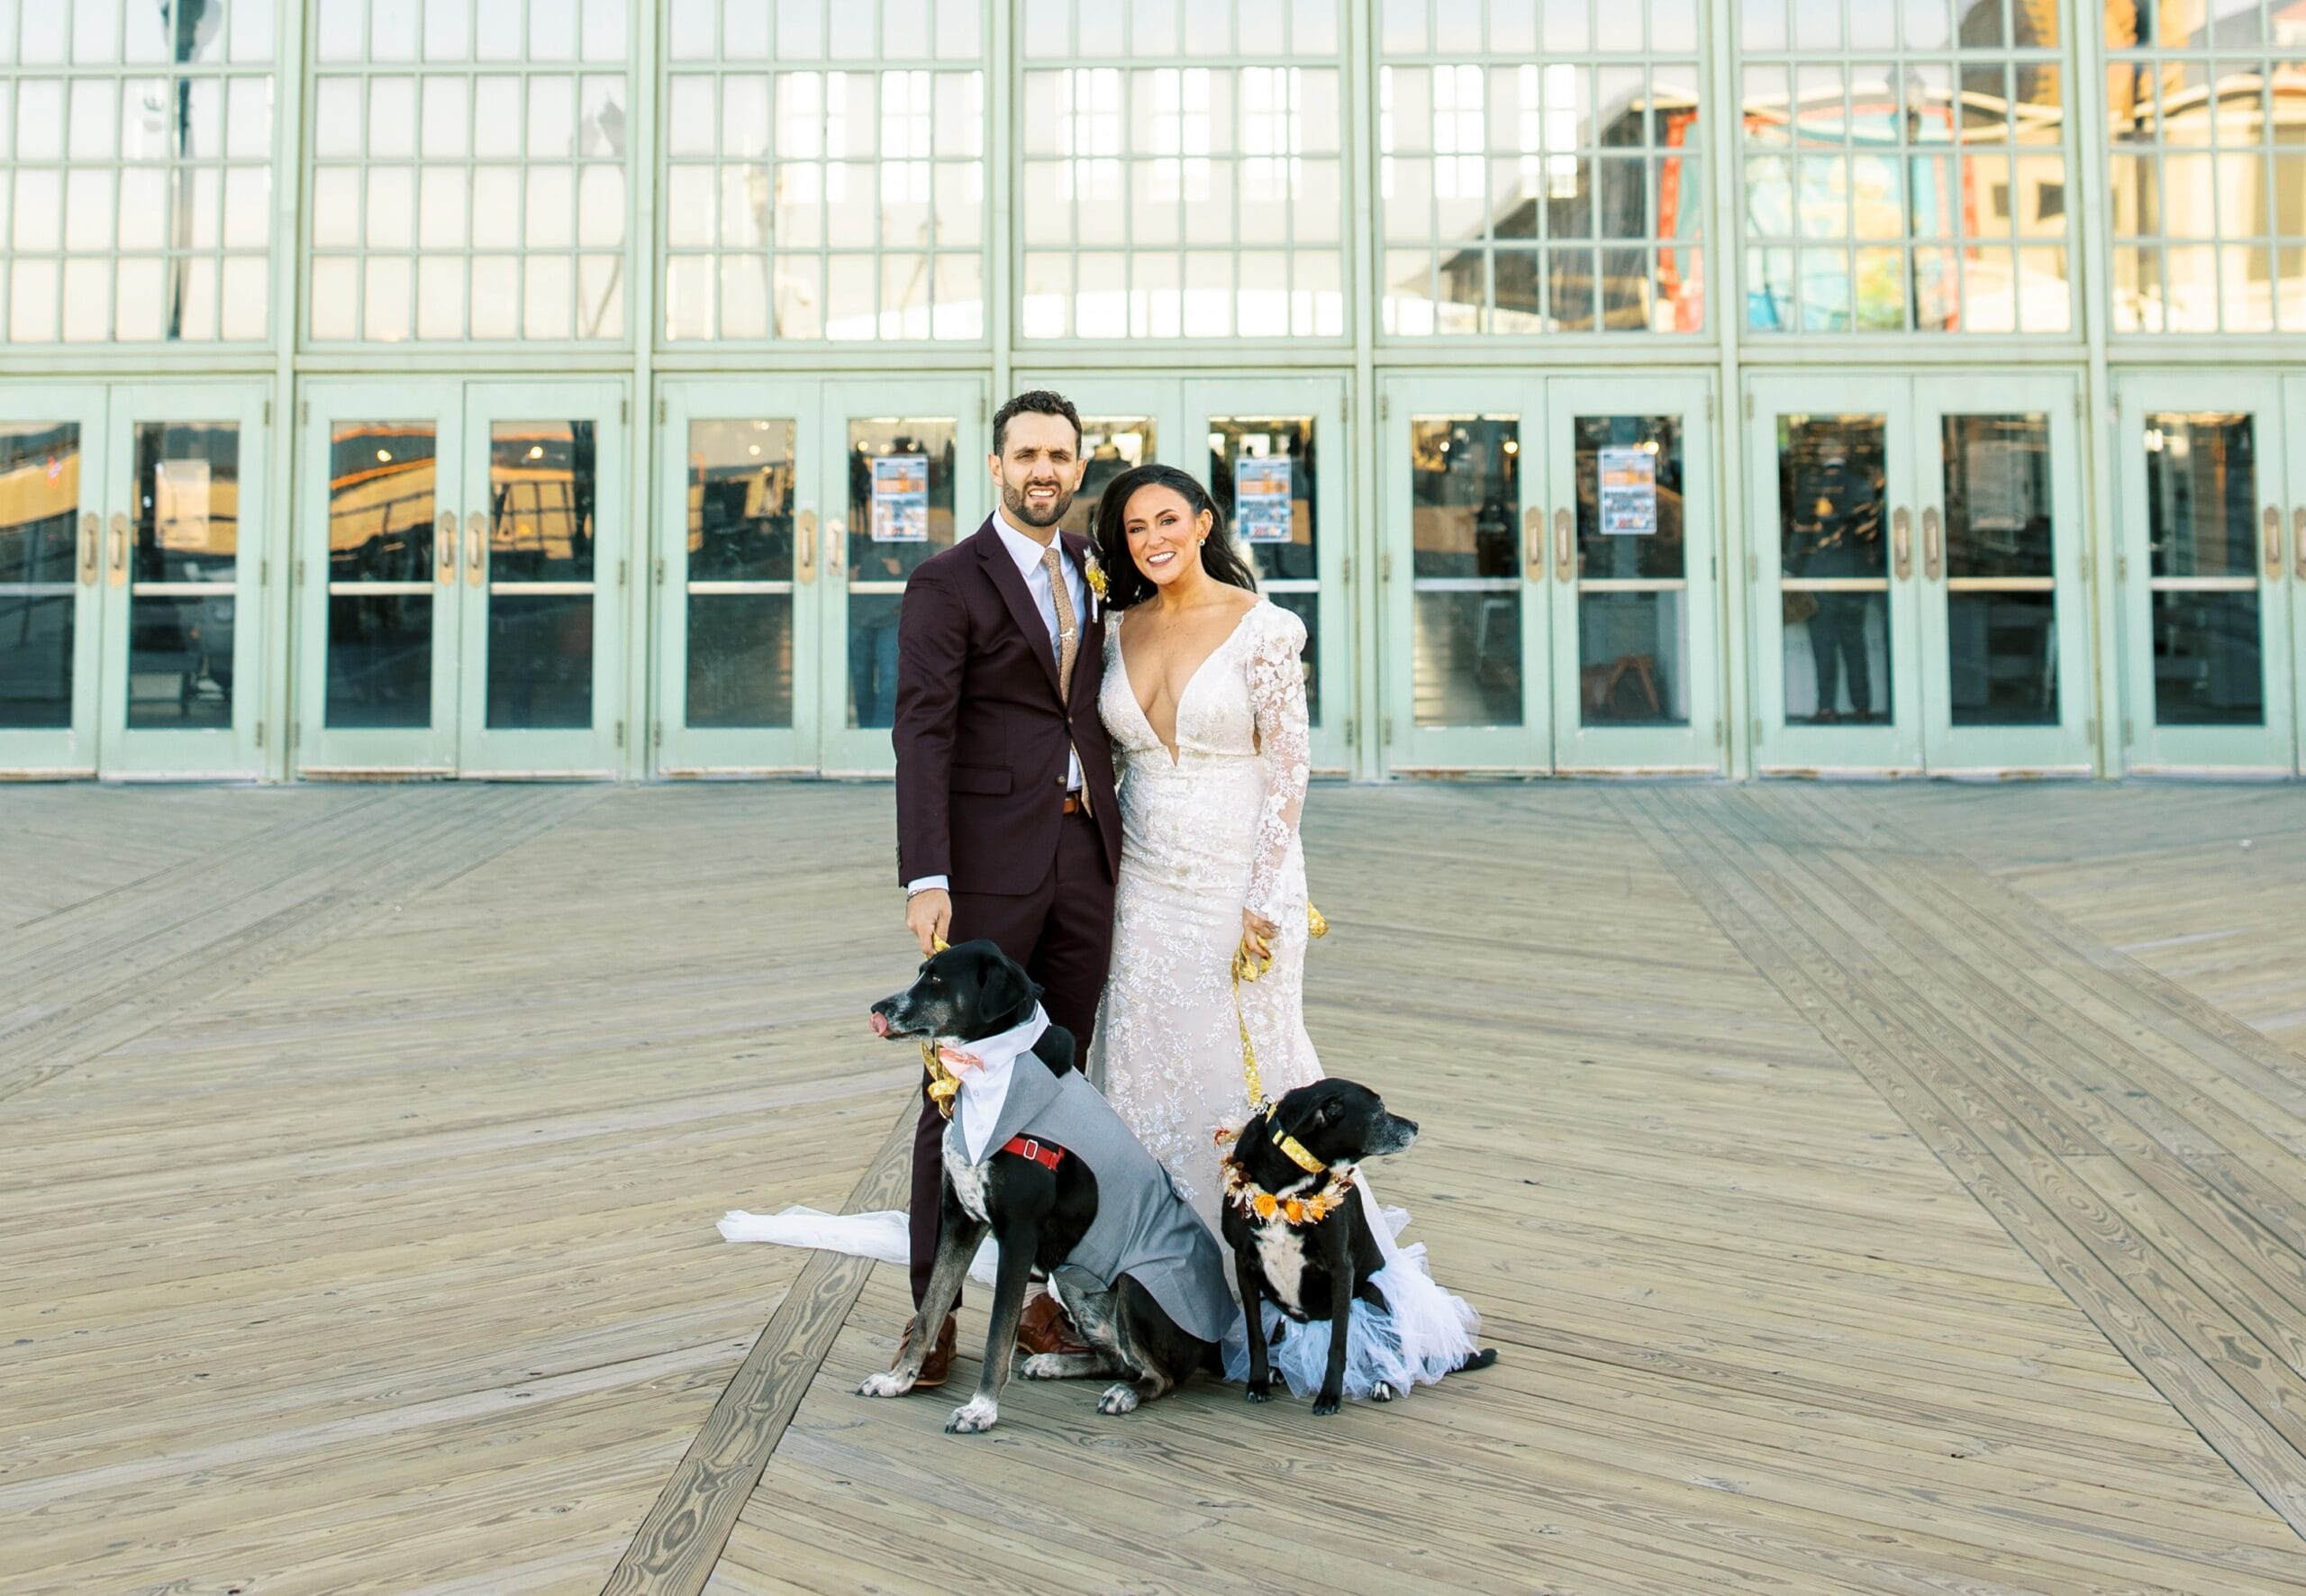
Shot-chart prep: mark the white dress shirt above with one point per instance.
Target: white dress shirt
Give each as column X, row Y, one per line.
column 1027, row 552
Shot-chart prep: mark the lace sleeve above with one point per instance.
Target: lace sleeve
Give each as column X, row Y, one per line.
column 1278, row 702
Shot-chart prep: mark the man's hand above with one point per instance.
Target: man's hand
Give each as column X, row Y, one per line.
column 929, row 915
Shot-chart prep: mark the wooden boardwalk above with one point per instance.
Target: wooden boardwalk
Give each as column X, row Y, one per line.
column 1872, row 1189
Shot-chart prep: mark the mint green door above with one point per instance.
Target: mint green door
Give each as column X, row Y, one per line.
column 2004, row 618
column 52, row 545
column 1463, row 575
column 902, row 475
column 462, row 575
column 1636, row 650
column 2293, row 575
column 740, row 498
column 2208, row 678
column 180, row 639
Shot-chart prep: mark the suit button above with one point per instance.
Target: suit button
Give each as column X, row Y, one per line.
column 1060, row 781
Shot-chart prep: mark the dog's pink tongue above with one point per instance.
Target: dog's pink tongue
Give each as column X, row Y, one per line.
column 880, row 1025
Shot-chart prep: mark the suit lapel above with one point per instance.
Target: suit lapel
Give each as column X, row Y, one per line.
column 1031, row 1089
column 1092, row 620
column 1011, row 585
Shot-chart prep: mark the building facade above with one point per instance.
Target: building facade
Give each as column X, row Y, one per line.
column 567, row 387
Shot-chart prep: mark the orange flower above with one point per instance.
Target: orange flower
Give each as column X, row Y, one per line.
column 1265, row 1205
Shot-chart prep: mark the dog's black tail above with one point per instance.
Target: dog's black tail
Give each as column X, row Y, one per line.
column 1476, row 1360
column 1212, row 1360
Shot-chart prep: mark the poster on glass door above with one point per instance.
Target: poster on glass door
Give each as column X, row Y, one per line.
column 1629, row 506
column 901, row 499
column 1261, row 500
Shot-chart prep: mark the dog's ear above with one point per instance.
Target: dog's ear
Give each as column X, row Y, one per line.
column 1008, row 990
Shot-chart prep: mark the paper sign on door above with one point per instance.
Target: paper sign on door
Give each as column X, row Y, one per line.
column 1629, row 506
column 901, row 499
column 1261, row 500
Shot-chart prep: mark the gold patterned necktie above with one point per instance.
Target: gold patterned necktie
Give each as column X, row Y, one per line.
column 1069, row 634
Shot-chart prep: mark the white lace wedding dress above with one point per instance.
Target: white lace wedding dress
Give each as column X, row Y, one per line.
column 1204, row 833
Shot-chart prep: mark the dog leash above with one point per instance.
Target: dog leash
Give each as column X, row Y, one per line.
column 944, row 1085
column 1250, row 967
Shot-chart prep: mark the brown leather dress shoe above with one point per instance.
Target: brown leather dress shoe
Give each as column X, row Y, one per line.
column 939, row 1364
column 1045, row 1327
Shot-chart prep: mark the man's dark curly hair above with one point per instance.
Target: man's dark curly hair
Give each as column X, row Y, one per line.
column 1038, row 402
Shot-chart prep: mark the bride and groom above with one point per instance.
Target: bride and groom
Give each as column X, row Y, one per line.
column 1101, row 757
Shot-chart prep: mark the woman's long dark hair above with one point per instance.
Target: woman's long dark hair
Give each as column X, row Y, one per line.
column 1126, row 584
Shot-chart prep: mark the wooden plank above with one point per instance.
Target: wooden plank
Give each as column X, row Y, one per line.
column 677, row 1544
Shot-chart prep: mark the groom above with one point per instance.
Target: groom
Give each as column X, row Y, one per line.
column 1007, row 827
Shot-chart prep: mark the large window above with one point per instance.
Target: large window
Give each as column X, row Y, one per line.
column 1182, row 178
column 135, row 171
column 2207, row 120
column 1905, row 167
column 825, row 170
column 1561, row 192
column 469, row 169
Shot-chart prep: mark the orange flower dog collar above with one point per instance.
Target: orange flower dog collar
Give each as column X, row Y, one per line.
column 1263, row 1206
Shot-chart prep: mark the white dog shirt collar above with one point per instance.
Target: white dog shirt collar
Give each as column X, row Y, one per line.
column 985, row 1086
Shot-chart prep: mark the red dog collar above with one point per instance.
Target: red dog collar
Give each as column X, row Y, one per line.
column 1040, row 1153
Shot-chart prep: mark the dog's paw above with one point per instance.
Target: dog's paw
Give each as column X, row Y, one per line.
column 1120, row 1397
column 1326, row 1402
column 974, row 1417
column 1381, row 1393
column 1260, row 1391
column 887, row 1383
column 1047, row 1366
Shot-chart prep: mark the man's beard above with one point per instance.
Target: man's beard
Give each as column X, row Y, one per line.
column 1012, row 500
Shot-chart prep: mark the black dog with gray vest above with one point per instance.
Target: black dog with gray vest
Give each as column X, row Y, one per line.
column 1063, row 1185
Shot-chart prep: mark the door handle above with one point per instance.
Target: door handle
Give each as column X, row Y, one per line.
column 119, row 550
column 1932, row 550
column 1563, row 554
column 90, row 537
column 446, row 536
column 804, row 544
column 2273, row 543
column 834, row 531
column 1902, row 541
column 2297, row 539
column 475, row 546
column 1533, row 542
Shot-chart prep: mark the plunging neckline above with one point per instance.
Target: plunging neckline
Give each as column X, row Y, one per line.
column 1120, row 657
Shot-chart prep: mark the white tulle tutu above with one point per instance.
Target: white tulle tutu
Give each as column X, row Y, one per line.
column 1424, row 1333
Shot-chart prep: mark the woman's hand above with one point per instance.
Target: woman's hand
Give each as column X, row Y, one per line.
column 1257, row 933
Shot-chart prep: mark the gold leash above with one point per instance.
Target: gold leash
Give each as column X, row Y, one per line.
column 944, row 1085
column 1248, row 966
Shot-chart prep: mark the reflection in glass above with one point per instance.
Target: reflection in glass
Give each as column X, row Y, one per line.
column 40, row 502
column 1632, row 635
column 1261, row 473
column 900, row 512
column 540, row 660
column 380, row 659
column 1833, row 485
column 1466, row 563
column 180, row 662
column 187, row 502
column 740, row 563
column 2002, row 603
column 542, row 480
column 1110, row 445
column 2201, row 502
column 382, row 478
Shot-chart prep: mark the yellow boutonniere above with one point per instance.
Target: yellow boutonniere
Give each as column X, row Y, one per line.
column 1095, row 574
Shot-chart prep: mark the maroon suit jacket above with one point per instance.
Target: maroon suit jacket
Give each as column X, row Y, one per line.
column 981, row 731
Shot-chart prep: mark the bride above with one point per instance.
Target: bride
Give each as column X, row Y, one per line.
column 1206, row 703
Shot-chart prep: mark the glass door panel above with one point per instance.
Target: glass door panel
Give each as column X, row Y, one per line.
column 1267, row 471
column 545, row 566
column 905, row 477
column 1833, row 550
column 51, row 552
column 2293, row 577
column 2004, row 621
column 180, row 570
column 378, row 553
column 737, row 565
column 2206, row 644
column 1462, row 571
column 1635, row 677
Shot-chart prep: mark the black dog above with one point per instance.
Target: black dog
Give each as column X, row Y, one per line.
column 1041, row 1208
column 1313, row 1263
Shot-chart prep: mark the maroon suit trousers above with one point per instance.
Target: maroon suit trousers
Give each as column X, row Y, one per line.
column 1062, row 933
